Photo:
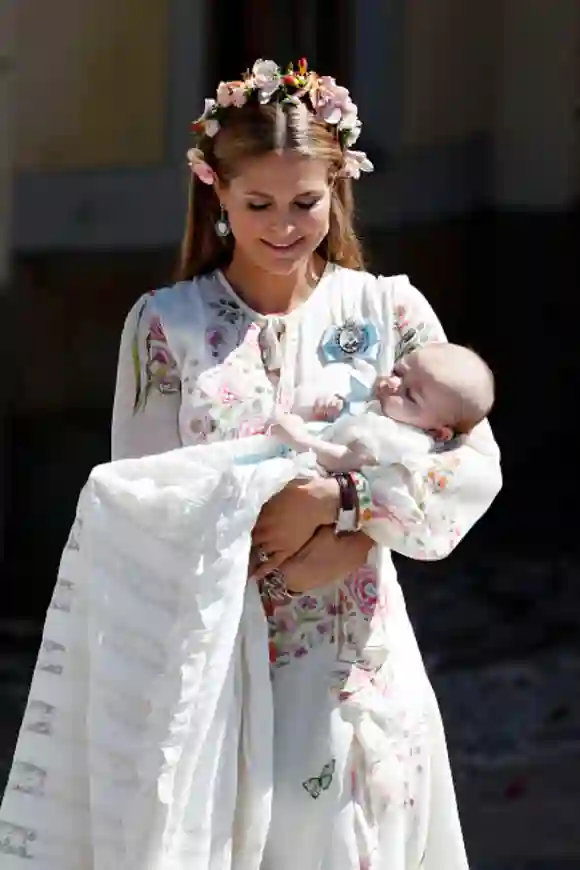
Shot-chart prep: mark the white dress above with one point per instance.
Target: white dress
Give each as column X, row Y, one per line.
column 361, row 779
column 191, row 370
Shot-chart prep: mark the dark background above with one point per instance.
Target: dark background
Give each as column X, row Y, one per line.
column 494, row 246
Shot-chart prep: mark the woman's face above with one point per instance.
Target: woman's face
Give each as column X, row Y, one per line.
column 278, row 208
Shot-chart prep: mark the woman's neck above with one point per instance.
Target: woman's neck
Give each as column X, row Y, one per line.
column 269, row 293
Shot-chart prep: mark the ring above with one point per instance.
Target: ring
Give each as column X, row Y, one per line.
column 262, row 556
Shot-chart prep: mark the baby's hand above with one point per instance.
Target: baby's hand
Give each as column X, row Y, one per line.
column 328, row 407
column 288, row 427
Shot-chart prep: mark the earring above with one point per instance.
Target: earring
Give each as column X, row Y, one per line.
column 222, row 225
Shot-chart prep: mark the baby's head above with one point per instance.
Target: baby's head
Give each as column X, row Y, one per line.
column 443, row 388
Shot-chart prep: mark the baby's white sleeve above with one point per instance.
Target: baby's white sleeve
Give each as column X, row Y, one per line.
column 386, row 440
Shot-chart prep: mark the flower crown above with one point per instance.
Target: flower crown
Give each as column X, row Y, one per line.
column 266, row 83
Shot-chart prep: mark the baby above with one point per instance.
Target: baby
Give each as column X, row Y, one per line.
column 433, row 394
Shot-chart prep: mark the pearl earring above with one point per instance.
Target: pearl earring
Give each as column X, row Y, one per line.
column 222, row 225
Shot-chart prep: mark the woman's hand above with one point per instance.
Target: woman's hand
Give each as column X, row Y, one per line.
column 325, row 559
column 292, row 517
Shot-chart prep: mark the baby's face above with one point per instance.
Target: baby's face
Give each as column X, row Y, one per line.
column 415, row 393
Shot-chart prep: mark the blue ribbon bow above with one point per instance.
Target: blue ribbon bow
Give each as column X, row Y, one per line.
column 350, row 340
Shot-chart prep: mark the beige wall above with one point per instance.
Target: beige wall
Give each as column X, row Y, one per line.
column 450, row 48
column 506, row 68
column 91, row 83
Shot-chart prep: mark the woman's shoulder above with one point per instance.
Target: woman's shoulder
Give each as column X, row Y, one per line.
column 174, row 315
column 175, row 307
column 182, row 299
column 372, row 282
column 375, row 290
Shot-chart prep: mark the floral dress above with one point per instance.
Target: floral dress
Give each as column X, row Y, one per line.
column 362, row 777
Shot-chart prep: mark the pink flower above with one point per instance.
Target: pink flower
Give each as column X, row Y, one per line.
column 160, row 357
column 401, row 316
column 214, row 338
column 362, row 586
column 308, row 603
column 156, row 332
column 334, row 102
column 200, row 167
column 232, row 94
column 227, row 397
column 287, row 624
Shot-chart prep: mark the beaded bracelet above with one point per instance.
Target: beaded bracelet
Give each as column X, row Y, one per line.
column 274, row 586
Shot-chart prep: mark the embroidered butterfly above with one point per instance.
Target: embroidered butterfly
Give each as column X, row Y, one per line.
column 317, row 784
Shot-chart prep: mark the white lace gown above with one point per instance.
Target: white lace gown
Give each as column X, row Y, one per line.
column 361, row 774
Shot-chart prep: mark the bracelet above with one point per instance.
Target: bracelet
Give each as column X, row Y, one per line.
column 348, row 511
column 274, row 586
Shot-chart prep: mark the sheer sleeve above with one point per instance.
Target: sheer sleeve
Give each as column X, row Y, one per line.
column 148, row 388
column 424, row 512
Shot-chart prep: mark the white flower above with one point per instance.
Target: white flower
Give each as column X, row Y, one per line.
column 355, row 162
column 211, row 127
column 205, row 122
column 266, row 78
column 349, row 115
column 265, row 71
column 208, row 107
column 350, row 133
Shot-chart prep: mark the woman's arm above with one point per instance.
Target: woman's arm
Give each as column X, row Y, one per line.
column 290, row 518
column 325, row 559
column 424, row 513
column 148, row 393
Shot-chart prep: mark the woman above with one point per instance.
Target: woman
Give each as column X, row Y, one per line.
column 271, row 294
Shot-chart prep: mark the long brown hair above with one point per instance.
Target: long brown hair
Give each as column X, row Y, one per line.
column 253, row 131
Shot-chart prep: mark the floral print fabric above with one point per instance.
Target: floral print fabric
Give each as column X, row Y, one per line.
column 220, row 389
